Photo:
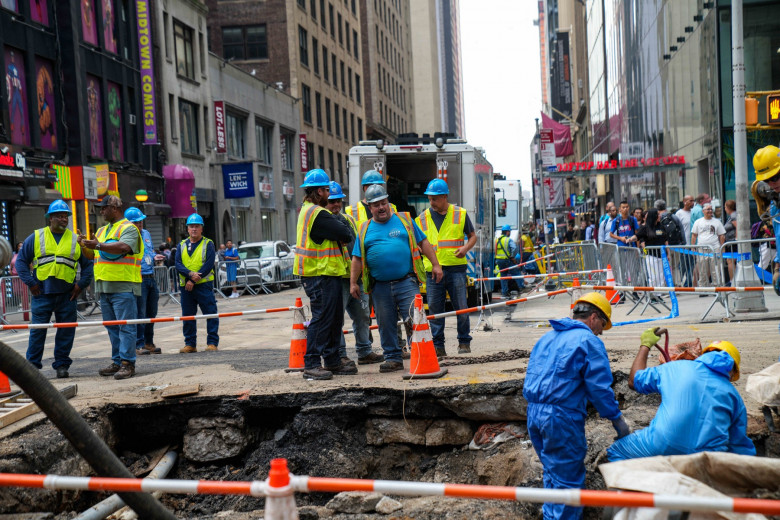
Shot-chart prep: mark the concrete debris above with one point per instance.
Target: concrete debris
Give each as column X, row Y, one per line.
column 387, row 505
column 354, row 502
column 494, row 408
column 209, row 439
column 449, row 432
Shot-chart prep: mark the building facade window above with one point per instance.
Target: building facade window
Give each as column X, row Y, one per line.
column 330, row 162
column 352, row 126
column 303, row 45
column 337, row 119
column 335, row 71
column 343, row 79
column 313, row 9
column 235, row 126
column 263, row 135
column 341, row 33
column 358, row 95
column 245, row 43
column 306, row 101
column 344, row 119
column 355, row 44
column 315, row 55
column 325, row 63
column 322, row 14
column 287, row 149
column 318, row 108
column 332, row 22
column 327, row 115
column 321, row 157
column 360, row 129
column 183, row 44
column 188, row 127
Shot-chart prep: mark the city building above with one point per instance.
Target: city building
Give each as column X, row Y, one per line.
column 436, row 70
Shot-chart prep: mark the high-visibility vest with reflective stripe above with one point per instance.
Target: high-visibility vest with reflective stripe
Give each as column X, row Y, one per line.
column 447, row 239
column 360, row 214
column 417, row 263
column 502, row 247
column 348, row 253
column 193, row 262
column 126, row 268
column 528, row 245
column 312, row 259
column 53, row 259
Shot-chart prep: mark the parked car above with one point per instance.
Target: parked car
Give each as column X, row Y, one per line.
column 269, row 263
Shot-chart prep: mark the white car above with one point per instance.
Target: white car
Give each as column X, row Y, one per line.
column 269, row 263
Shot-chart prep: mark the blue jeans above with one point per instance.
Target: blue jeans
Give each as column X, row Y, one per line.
column 453, row 283
column 146, row 307
column 390, row 300
column 202, row 295
column 120, row 306
column 323, row 335
column 64, row 310
column 503, row 263
column 360, row 316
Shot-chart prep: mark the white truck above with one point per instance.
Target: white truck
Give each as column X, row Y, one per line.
column 509, row 200
column 412, row 163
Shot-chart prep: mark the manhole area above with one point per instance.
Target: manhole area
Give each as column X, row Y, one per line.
column 425, row 435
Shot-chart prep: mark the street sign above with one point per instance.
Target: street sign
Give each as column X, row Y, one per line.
column 548, row 147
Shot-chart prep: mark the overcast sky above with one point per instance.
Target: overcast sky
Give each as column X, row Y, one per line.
column 501, row 81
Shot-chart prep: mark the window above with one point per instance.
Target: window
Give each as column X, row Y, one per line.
column 341, row 34
column 309, row 153
column 335, row 71
column 354, row 11
column 166, row 35
column 235, row 135
column 349, row 75
column 327, row 115
column 313, row 9
column 343, row 79
column 287, row 151
column 303, row 45
column 302, row 4
column 245, row 43
column 321, row 157
column 338, row 156
column 355, row 44
column 318, row 108
column 332, row 23
column 263, row 142
column 346, row 31
column 322, row 13
column 357, row 89
column 315, row 55
column 360, row 129
column 306, row 99
column 337, row 119
column 185, row 64
column 352, row 127
column 188, row 126
column 330, row 162
column 344, row 119
column 325, row 63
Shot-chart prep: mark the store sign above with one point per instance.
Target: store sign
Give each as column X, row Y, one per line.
column 12, row 162
column 288, row 190
column 101, row 175
column 40, row 174
column 304, row 153
column 670, row 160
column 145, row 50
column 547, row 150
column 90, row 183
column 219, row 120
column 238, row 180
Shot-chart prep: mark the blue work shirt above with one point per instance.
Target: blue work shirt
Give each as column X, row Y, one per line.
column 51, row 285
column 208, row 264
column 697, row 212
column 387, row 249
column 774, row 212
column 569, row 366
column 147, row 262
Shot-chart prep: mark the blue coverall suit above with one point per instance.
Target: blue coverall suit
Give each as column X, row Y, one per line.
column 568, row 367
column 700, row 411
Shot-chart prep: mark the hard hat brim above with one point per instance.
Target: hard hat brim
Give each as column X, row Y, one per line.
column 768, row 174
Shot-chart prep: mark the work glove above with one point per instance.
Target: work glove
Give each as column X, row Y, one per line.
column 649, row 338
column 621, row 427
column 776, row 279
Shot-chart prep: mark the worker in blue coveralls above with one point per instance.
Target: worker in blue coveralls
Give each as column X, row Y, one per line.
column 569, row 367
column 700, row 409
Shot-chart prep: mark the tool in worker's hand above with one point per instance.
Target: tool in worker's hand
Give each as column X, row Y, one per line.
column 658, row 331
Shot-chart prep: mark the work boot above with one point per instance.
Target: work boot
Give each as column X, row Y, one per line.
column 317, row 374
column 126, row 371
column 62, row 372
column 391, row 366
column 151, row 348
column 441, row 353
column 346, row 361
column 110, row 370
column 343, row 369
column 370, row 359
column 405, row 354
column 212, row 348
column 464, row 348
column 187, row 349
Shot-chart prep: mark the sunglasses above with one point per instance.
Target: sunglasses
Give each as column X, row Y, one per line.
column 774, row 178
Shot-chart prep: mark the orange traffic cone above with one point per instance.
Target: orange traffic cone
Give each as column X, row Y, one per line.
column 280, row 501
column 298, row 341
column 5, row 385
column 612, row 296
column 423, row 363
column 575, row 291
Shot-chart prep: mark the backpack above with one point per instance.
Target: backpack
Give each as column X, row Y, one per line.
column 673, row 231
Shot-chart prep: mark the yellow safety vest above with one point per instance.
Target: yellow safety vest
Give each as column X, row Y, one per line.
column 312, row 259
column 195, row 261
column 53, row 259
column 448, row 238
column 417, row 263
column 359, row 213
column 125, row 268
column 528, row 245
column 348, row 253
column 502, row 247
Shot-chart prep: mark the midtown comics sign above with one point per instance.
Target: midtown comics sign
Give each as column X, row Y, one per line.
column 669, row 160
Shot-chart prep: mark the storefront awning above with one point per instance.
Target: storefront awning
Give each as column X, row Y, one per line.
column 179, row 185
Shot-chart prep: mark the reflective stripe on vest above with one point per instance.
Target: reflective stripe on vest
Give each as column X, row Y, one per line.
column 195, row 262
column 312, row 259
column 348, row 253
column 126, row 268
column 55, row 259
column 447, row 239
column 417, row 263
column 502, row 248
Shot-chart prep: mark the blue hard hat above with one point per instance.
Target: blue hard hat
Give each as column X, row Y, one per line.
column 372, row 177
column 316, row 177
column 437, row 187
column 58, row 206
column 335, row 191
column 110, row 256
column 134, row 214
column 194, row 219
column 506, row 227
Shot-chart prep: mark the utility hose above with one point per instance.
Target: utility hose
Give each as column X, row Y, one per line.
column 76, row 430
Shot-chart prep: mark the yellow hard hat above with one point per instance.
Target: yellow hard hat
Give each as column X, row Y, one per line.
column 766, row 162
column 601, row 303
column 731, row 350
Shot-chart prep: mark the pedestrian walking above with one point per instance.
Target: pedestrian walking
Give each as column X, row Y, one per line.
column 387, row 256
column 195, row 265
column 450, row 232
column 505, row 251
column 118, row 282
column 361, row 211
column 321, row 264
column 231, row 267
column 146, row 303
column 624, row 227
column 605, row 226
column 708, row 231
column 639, row 215
column 54, row 253
column 568, row 368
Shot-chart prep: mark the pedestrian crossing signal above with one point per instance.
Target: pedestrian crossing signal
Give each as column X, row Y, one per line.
column 773, row 109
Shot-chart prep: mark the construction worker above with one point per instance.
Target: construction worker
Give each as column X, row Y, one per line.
column 195, row 264
column 569, row 367
column 387, row 258
column 54, row 252
column 118, row 282
column 700, row 409
column 766, row 192
column 505, row 250
column 360, row 211
column 146, row 304
column 527, row 253
column 445, row 225
column 357, row 309
column 321, row 263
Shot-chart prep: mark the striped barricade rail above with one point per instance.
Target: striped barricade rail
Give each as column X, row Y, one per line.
column 589, row 275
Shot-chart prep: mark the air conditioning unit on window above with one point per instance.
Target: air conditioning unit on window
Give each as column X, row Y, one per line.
column 131, row 119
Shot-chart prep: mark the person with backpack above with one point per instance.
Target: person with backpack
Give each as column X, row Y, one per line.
column 624, row 227
column 675, row 234
column 653, row 233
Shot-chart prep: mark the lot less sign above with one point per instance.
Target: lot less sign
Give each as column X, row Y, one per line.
column 219, row 120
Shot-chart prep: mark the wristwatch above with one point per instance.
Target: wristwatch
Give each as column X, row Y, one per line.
column 98, row 246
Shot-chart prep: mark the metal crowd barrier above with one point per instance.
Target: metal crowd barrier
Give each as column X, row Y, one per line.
column 757, row 276
column 578, row 256
column 608, row 252
column 16, row 298
column 166, row 284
